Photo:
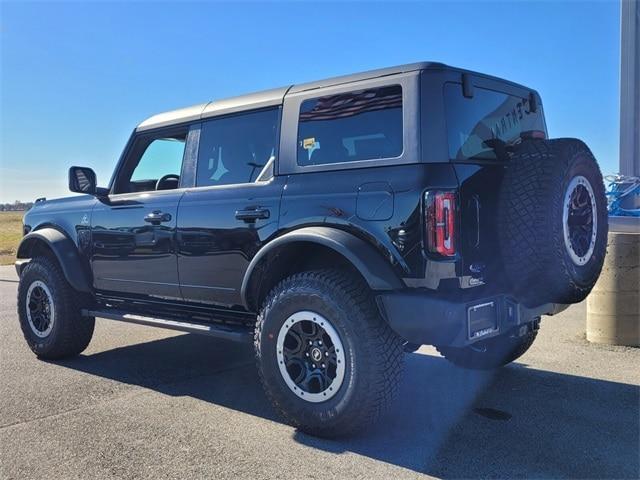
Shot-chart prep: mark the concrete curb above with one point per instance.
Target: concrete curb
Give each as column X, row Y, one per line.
column 8, row 273
column 613, row 307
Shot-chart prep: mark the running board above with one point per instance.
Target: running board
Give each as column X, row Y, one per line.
column 226, row 332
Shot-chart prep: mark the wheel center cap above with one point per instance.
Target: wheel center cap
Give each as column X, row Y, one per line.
column 316, row 354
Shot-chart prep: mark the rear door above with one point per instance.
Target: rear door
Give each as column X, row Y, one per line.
column 234, row 207
column 133, row 230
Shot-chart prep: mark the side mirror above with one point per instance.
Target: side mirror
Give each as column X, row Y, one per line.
column 82, row 180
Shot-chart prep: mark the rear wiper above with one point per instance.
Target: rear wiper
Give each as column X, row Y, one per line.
column 500, row 147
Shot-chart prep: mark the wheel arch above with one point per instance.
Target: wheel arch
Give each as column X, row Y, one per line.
column 315, row 247
column 51, row 241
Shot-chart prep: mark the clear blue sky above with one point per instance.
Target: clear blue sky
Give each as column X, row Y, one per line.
column 77, row 77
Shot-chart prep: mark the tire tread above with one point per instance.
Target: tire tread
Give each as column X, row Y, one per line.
column 74, row 332
column 384, row 352
column 531, row 237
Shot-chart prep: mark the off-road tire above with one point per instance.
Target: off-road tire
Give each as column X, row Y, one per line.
column 373, row 352
column 491, row 353
column 70, row 333
column 534, row 251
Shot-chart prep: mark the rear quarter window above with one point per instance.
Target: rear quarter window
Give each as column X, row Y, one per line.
column 351, row 126
column 481, row 126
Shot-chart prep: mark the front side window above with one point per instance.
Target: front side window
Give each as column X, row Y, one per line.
column 352, row 126
column 237, row 149
column 162, row 157
column 481, row 126
column 154, row 163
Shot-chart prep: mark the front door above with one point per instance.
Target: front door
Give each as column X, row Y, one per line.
column 134, row 230
column 234, row 207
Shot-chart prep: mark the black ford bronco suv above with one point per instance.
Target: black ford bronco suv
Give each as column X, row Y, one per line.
column 336, row 224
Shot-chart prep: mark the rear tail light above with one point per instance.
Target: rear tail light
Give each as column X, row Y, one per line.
column 440, row 223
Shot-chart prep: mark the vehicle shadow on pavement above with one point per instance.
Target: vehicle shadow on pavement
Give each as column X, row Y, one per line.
column 448, row 422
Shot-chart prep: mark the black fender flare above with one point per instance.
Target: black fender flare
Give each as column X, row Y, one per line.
column 377, row 272
column 65, row 251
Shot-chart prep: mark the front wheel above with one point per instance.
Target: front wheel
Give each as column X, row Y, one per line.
column 49, row 312
column 327, row 360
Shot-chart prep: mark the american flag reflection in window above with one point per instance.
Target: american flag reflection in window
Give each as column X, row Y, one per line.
column 352, row 126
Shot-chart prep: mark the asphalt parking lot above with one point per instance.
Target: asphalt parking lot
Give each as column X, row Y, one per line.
column 151, row 403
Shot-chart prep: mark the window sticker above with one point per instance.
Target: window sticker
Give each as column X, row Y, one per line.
column 308, row 143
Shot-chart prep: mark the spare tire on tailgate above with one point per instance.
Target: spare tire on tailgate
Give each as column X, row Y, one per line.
column 552, row 215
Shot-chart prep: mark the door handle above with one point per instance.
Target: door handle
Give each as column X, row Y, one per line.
column 252, row 214
column 157, row 217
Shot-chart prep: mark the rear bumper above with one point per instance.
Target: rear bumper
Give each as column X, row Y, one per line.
column 426, row 318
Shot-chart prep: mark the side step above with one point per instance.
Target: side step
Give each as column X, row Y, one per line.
column 237, row 334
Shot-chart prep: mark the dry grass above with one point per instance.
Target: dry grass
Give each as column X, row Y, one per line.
column 10, row 235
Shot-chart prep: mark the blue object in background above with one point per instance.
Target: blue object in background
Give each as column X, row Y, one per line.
column 620, row 191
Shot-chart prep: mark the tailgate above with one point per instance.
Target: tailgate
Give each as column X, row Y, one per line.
column 479, row 248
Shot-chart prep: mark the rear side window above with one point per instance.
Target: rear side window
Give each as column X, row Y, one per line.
column 352, row 126
column 480, row 127
column 237, row 149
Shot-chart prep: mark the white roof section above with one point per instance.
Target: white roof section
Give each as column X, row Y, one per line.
column 252, row 101
column 180, row 115
column 267, row 98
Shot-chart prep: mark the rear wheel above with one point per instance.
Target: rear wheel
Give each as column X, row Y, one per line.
column 49, row 312
column 326, row 359
column 491, row 353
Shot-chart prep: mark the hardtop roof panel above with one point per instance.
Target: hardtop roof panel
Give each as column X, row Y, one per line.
column 276, row 96
column 265, row 98
column 355, row 77
column 172, row 117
